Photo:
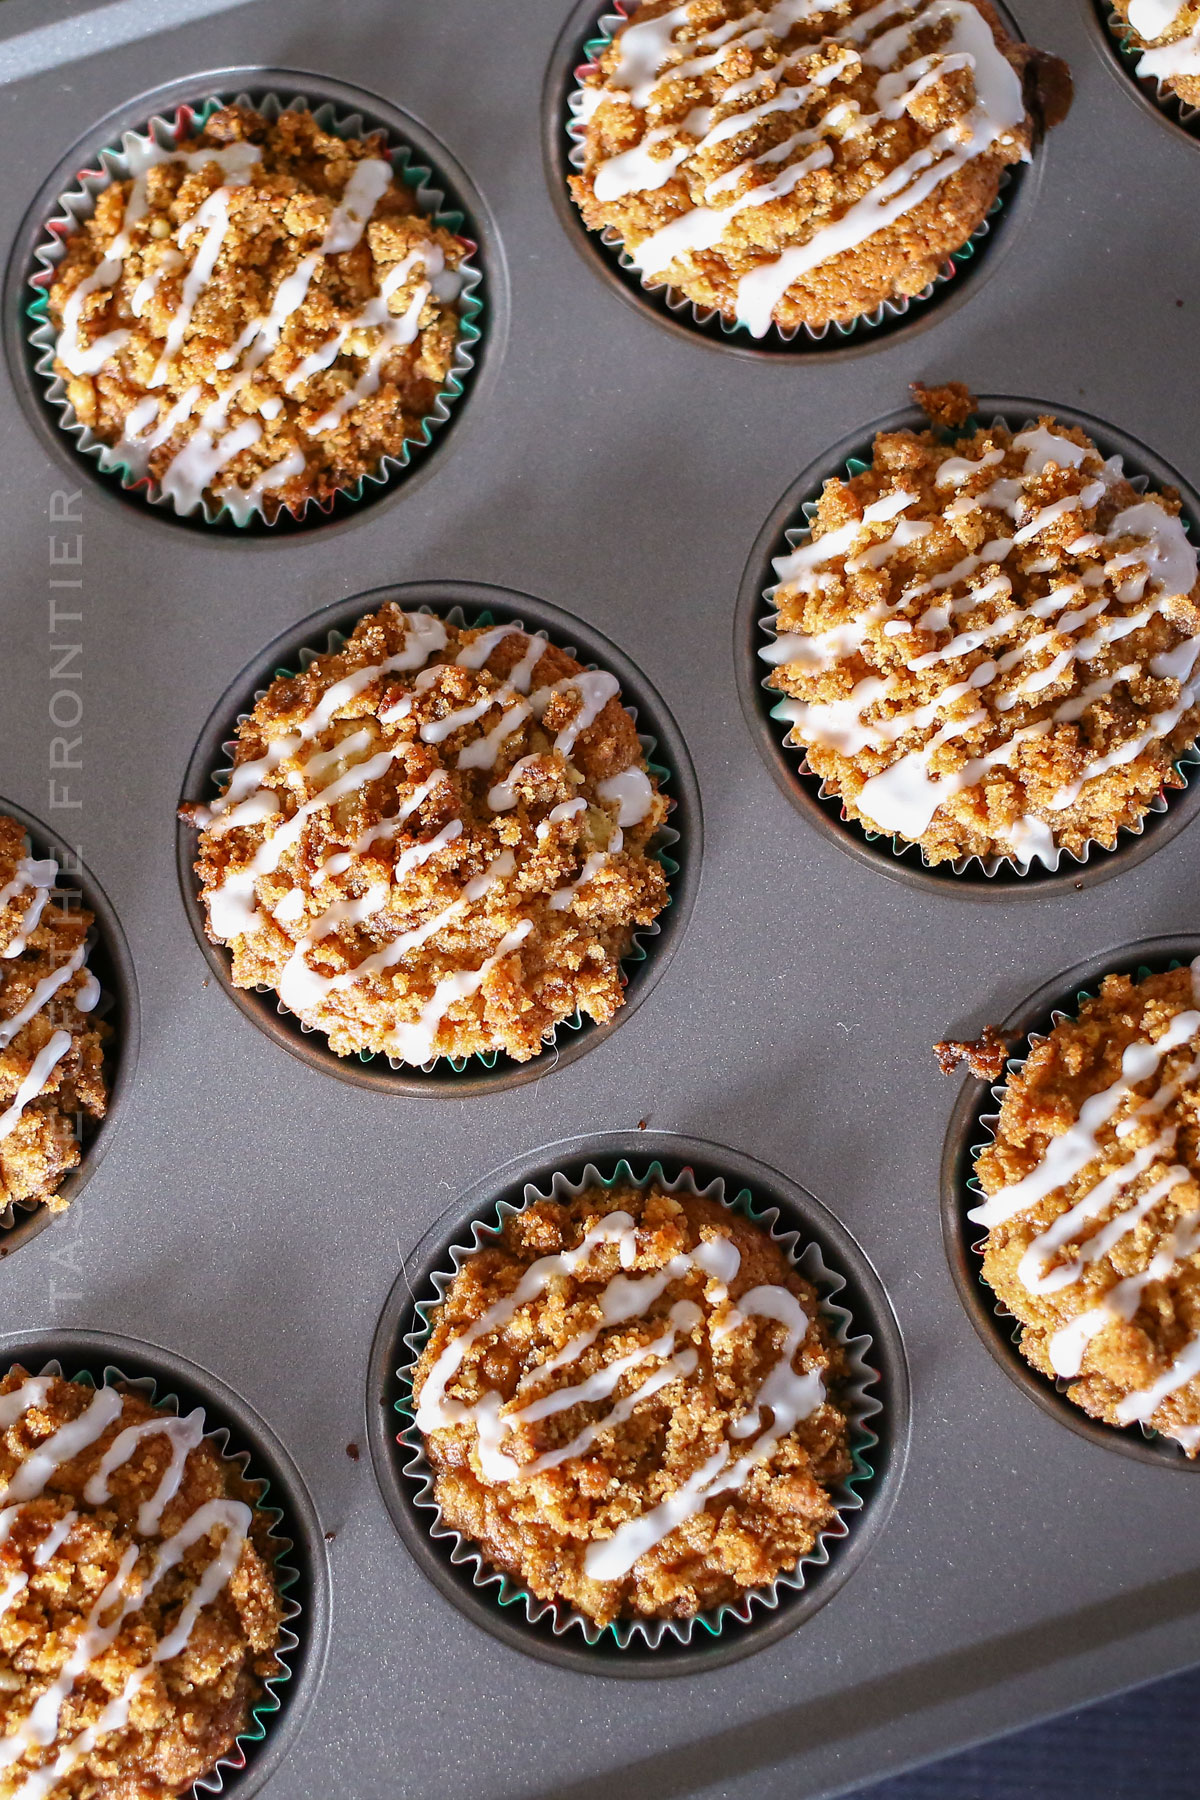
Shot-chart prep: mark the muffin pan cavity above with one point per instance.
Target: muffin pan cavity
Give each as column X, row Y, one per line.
column 443, row 192
column 970, row 1128
column 856, row 1310
column 677, row 845
column 1170, row 811
column 588, row 27
column 110, row 961
column 301, row 1565
column 1123, row 57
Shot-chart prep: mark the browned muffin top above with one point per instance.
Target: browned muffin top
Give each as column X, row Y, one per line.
column 630, row 1404
column 51, row 1055
column 799, row 163
column 1092, row 1203
column 989, row 645
column 257, row 316
column 139, row 1615
column 435, row 841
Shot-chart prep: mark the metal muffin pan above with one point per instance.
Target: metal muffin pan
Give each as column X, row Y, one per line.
column 861, row 1295
column 785, row 761
column 253, row 1214
column 112, row 965
column 682, row 842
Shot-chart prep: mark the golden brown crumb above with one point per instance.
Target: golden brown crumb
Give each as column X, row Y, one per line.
column 1115, row 1241
column 989, row 645
column 187, row 1710
column 1185, row 24
column 824, row 125
column 41, row 1144
column 985, row 1056
column 539, row 1527
column 462, row 811
column 949, row 405
column 299, row 440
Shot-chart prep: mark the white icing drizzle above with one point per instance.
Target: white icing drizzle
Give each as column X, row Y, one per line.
column 43, row 1066
column 44, row 992
column 631, row 791
column 184, row 1435
column 40, row 874
column 122, row 1597
column 788, row 1396
column 596, row 687
column 1071, row 1152
column 1151, row 19
column 417, row 1043
column 904, row 797
column 645, row 53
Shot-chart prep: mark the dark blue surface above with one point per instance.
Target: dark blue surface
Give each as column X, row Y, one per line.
column 1141, row 1746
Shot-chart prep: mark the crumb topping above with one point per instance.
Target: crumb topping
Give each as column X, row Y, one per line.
column 630, row 1403
column 799, row 163
column 1092, row 1204
column 1168, row 34
column 989, row 646
column 51, row 1048
column 139, row 1615
column 258, row 316
column 435, row 841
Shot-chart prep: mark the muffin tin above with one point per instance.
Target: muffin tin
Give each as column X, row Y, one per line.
column 253, row 1214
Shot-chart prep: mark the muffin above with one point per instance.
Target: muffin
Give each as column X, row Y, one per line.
column 801, row 164
column 1092, row 1204
column 435, row 841
column 51, row 1048
column 256, row 318
column 989, row 641
column 1168, row 34
column 139, row 1615
column 630, row 1404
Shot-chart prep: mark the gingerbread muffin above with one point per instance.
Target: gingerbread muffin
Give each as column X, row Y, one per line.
column 1168, row 34
column 800, row 163
column 990, row 642
column 435, row 841
column 256, row 317
column 51, row 1047
column 139, row 1613
column 630, row 1404
column 1092, row 1204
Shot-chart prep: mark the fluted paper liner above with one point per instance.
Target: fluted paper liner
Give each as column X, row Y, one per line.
column 858, row 1405
column 77, row 204
column 1009, row 1326
column 901, row 846
column 286, row 1576
column 677, row 303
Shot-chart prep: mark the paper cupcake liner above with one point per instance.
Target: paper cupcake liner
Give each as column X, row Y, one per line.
column 18, row 1212
column 659, row 847
column 899, row 846
column 1010, row 1327
column 857, row 1403
column 286, row 1575
column 76, row 205
column 830, row 335
column 1159, row 93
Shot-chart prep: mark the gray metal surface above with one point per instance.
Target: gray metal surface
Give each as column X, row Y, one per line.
column 252, row 1213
